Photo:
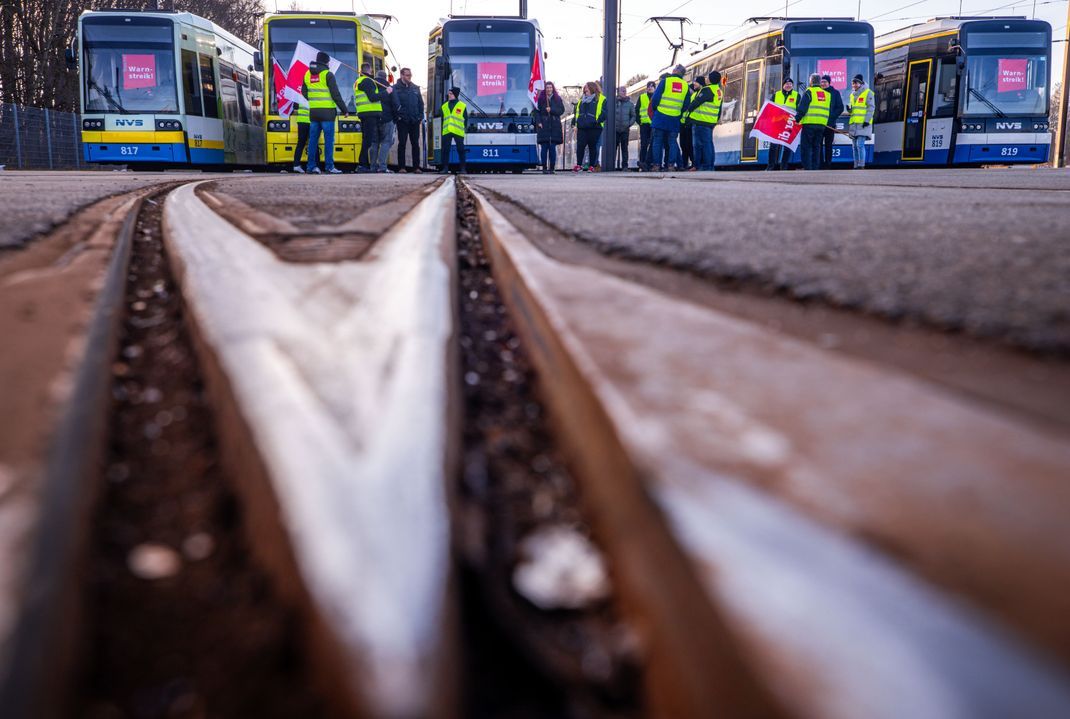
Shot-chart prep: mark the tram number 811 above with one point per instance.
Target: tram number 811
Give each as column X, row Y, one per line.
column 490, row 152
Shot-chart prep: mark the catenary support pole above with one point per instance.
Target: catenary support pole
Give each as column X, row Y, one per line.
column 1064, row 99
column 609, row 83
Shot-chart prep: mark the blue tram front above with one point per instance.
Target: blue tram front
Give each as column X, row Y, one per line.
column 958, row 91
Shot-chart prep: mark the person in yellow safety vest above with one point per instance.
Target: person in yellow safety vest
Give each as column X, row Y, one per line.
column 705, row 114
column 860, row 124
column 454, row 122
column 300, row 118
column 668, row 102
column 324, row 103
column 780, row 156
column 369, row 96
column 813, row 114
column 687, row 137
column 643, row 110
column 590, row 118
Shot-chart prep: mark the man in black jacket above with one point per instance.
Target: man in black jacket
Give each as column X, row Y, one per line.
column 409, row 107
column 369, row 99
column 834, row 114
column 325, row 102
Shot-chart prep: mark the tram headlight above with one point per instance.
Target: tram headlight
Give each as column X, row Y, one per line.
column 278, row 125
column 168, row 125
column 348, row 126
column 973, row 127
column 1040, row 126
column 92, row 124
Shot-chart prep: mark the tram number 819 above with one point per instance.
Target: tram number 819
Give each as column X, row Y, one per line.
column 1008, row 151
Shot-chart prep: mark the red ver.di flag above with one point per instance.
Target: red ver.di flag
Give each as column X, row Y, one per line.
column 491, row 80
column 1012, row 75
column 836, row 70
column 538, row 76
column 776, row 124
column 139, row 71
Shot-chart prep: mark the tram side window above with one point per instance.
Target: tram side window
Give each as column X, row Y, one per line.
column 946, row 90
column 208, row 87
column 228, row 90
column 733, row 93
column 889, row 97
column 191, row 84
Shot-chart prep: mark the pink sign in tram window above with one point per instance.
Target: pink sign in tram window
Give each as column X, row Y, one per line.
column 1012, row 75
column 836, row 70
column 139, row 71
column 491, row 79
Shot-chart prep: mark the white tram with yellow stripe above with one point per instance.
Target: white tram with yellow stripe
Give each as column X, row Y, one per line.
column 167, row 89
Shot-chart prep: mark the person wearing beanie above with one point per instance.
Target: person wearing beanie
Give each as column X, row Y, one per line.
column 643, row 111
column 862, row 105
column 813, row 115
column 705, row 113
column 369, row 96
column 377, row 155
column 837, row 109
column 454, row 124
column 324, row 103
column 668, row 102
column 780, row 156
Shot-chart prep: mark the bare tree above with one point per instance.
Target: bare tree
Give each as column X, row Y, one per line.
column 34, row 35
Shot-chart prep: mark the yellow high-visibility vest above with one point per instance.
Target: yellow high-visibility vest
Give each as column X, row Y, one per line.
column 709, row 112
column 597, row 109
column 319, row 95
column 820, row 105
column 301, row 115
column 790, row 99
column 671, row 103
column 361, row 99
column 859, row 107
column 644, row 109
column 453, row 120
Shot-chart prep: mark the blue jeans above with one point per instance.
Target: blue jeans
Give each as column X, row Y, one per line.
column 549, row 155
column 702, row 143
column 386, row 141
column 314, row 129
column 666, row 140
column 859, row 143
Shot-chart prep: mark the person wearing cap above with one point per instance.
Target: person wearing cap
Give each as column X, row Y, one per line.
column 860, row 123
column 624, row 118
column 454, row 122
column 813, row 115
column 369, row 97
column 379, row 153
column 705, row 112
column 837, row 108
column 643, row 111
column 780, row 156
column 324, row 103
column 668, row 102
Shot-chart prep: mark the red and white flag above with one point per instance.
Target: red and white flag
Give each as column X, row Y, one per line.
column 538, row 72
column 288, row 87
column 776, row 124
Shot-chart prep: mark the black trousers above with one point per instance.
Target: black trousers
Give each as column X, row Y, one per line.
column 409, row 132
column 827, row 142
column 447, row 142
column 687, row 146
column 369, row 128
column 302, row 142
column 779, row 157
column 587, row 139
column 646, row 134
column 812, row 136
column 621, row 148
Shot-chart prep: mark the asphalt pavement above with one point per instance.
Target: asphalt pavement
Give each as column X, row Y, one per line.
column 984, row 251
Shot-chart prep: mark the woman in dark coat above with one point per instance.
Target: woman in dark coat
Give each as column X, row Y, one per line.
column 548, row 111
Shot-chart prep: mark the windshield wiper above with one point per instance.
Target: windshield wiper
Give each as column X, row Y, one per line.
column 985, row 100
column 464, row 96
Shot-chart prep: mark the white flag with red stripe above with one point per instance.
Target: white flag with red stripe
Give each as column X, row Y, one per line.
column 538, row 72
column 288, row 87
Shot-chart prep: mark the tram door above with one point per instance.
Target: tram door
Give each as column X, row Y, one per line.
column 917, row 96
column 752, row 100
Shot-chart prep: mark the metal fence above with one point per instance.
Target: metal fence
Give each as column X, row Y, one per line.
column 36, row 139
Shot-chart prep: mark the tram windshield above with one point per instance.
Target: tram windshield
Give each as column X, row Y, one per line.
column 491, row 64
column 337, row 38
column 840, row 55
column 1005, row 77
column 129, row 65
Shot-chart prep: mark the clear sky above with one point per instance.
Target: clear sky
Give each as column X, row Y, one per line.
column 573, row 27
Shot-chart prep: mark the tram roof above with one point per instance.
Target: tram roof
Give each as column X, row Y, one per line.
column 443, row 20
column 938, row 26
column 185, row 17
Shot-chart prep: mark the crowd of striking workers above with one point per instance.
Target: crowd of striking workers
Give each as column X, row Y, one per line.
column 676, row 121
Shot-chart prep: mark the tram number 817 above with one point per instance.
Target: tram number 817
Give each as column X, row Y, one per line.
column 127, row 150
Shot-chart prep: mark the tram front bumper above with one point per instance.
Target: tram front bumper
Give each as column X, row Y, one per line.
column 131, row 147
